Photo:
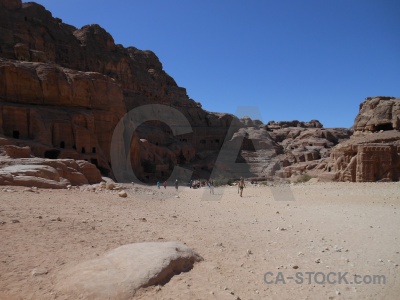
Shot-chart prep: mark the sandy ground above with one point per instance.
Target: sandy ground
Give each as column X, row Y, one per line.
column 328, row 227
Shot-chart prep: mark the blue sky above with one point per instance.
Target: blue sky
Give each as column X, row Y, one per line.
column 309, row 59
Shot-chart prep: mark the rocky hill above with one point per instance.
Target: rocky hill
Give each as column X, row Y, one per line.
column 63, row 91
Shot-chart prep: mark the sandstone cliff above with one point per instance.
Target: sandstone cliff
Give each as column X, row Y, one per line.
column 64, row 89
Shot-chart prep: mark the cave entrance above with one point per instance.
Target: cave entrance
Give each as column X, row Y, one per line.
column 386, row 126
column 94, row 161
column 62, row 144
column 16, row 134
column 52, row 154
column 83, row 151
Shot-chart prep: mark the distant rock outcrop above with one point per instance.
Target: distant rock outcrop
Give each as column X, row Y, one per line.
column 378, row 113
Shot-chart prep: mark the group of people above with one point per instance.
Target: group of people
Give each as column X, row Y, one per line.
column 197, row 184
column 165, row 184
column 210, row 183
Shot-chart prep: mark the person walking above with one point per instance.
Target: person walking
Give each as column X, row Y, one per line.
column 165, row 185
column 176, row 184
column 211, row 185
column 158, row 184
column 241, row 186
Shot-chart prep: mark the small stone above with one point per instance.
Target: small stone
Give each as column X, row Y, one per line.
column 337, row 293
column 295, row 267
column 380, row 260
column 14, row 221
column 318, row 260
column 249, row 251
column 110, row 186
column 123, row 194
column 39, row 271
column 158, row 288
column 59, row 219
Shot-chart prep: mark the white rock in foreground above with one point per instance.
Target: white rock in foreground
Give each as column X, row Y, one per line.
column 123, row 194
column 120, row 272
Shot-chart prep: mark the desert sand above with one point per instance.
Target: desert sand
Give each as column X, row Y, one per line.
column 325, row 227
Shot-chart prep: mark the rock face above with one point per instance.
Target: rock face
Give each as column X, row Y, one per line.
column 122, row 271
column 64, row 89
column 378, row 113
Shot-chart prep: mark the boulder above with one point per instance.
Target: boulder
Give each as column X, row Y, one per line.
column 122, row 271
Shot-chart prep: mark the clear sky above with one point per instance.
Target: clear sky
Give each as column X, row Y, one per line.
column 290, row 59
